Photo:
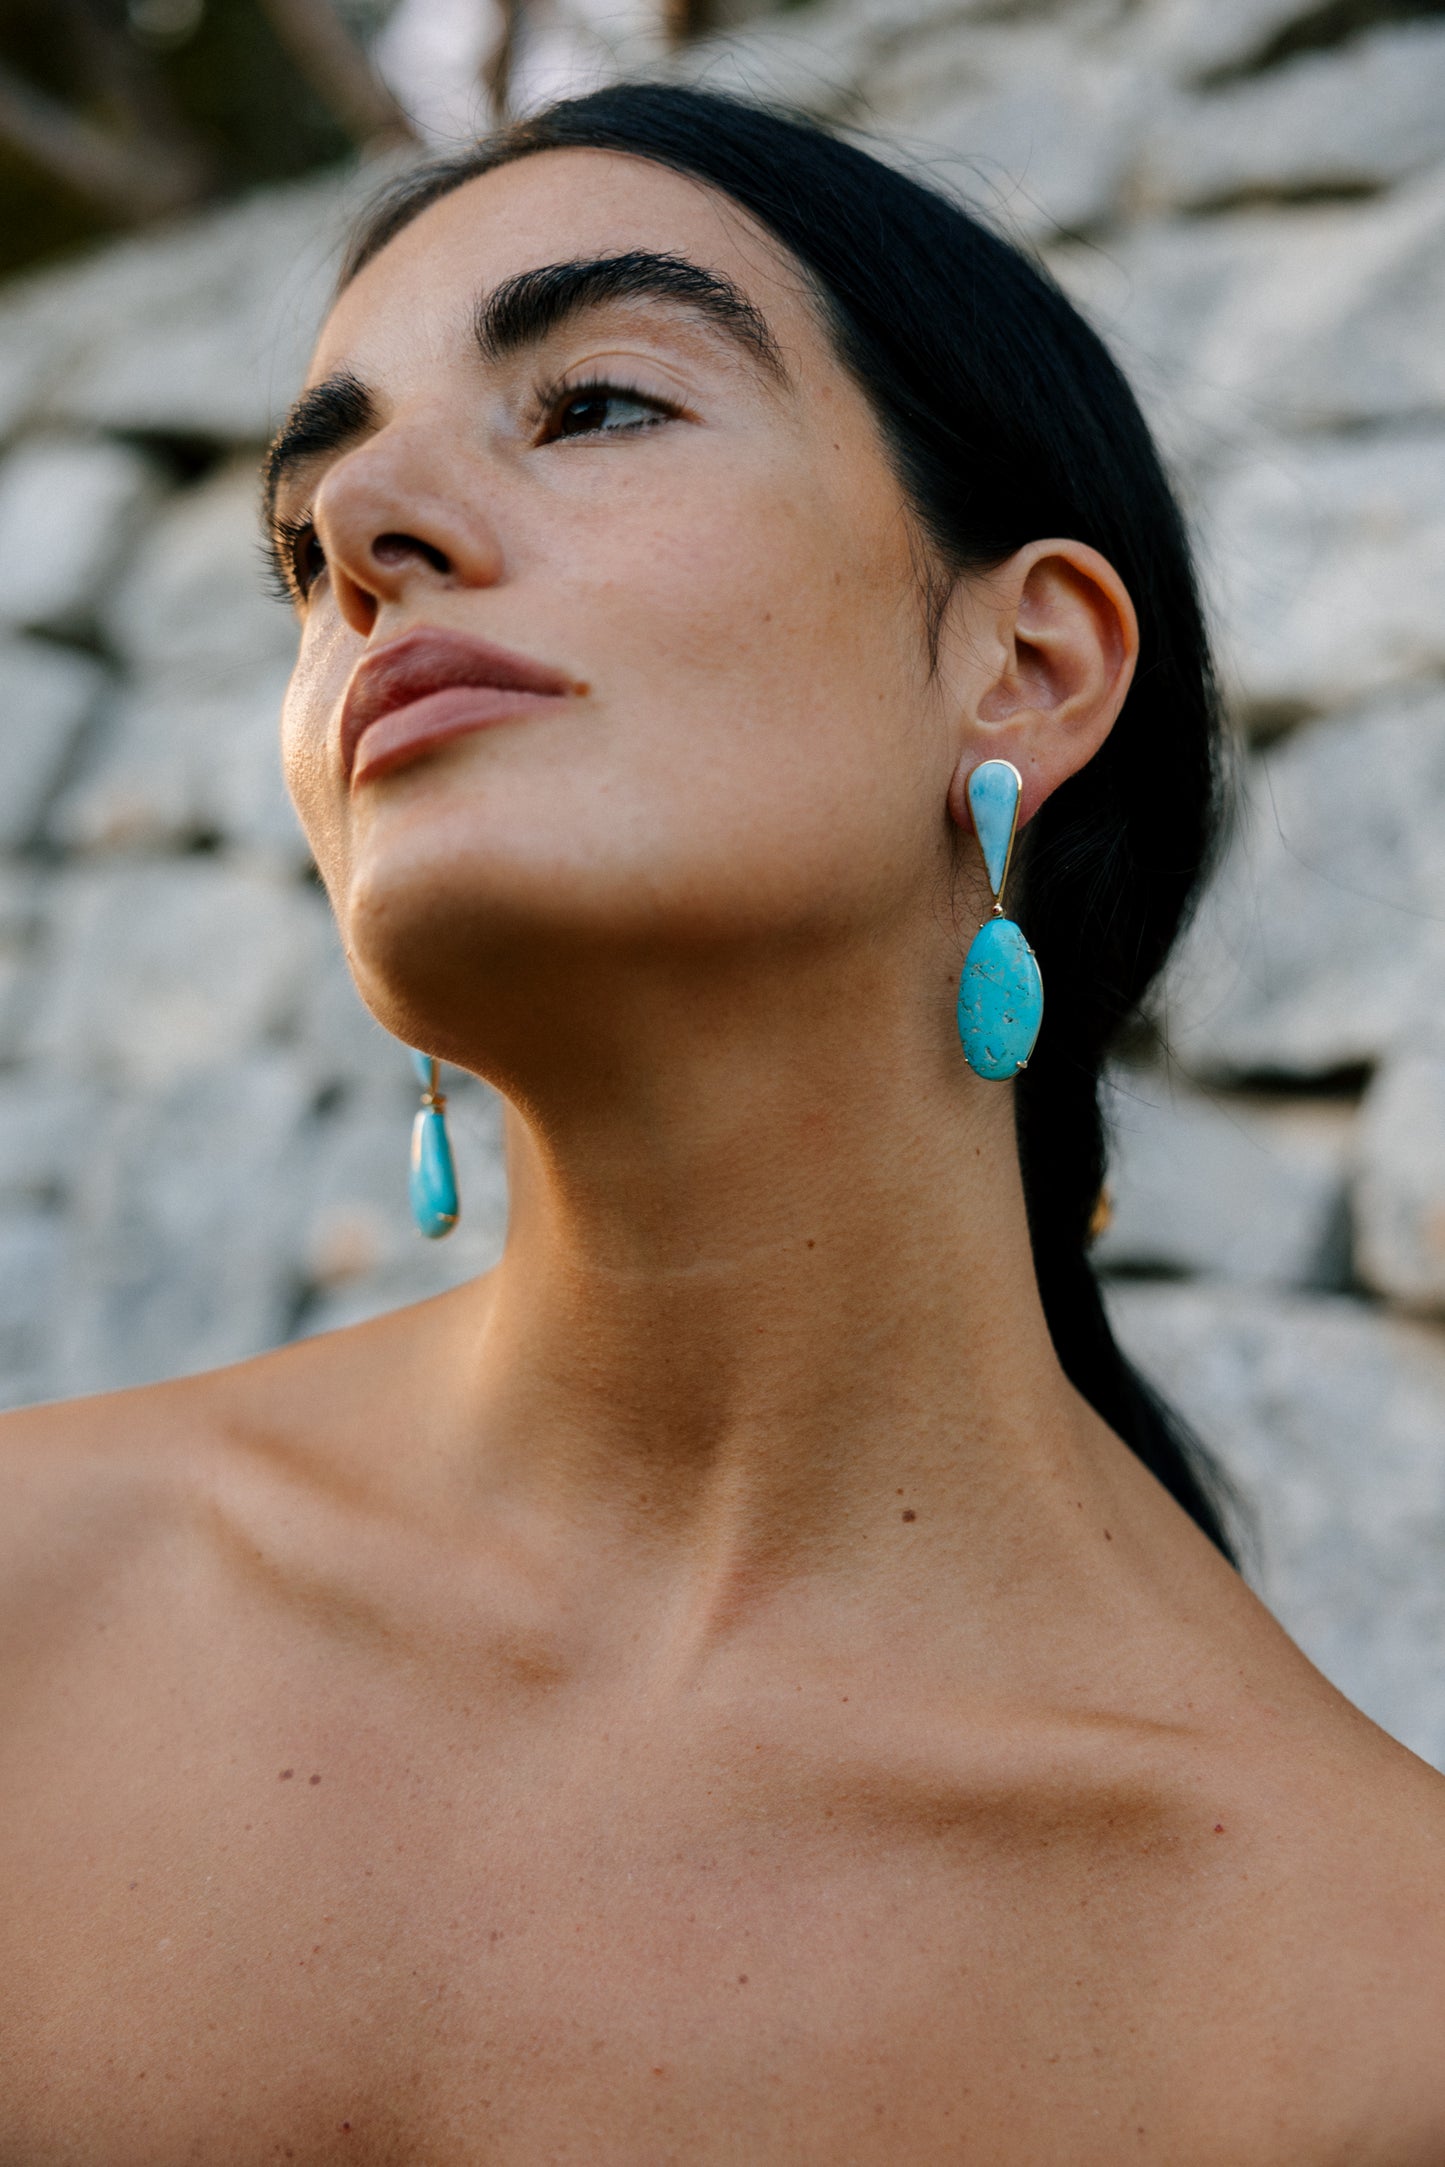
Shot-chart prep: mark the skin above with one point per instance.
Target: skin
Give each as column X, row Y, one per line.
column 711, row 1692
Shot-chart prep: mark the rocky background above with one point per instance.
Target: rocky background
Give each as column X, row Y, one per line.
column 203, row 1136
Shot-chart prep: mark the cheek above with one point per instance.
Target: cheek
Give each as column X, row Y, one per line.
column 328, row 653
column 765, row 648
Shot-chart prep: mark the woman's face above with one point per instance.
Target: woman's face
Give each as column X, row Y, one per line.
column 613, row 647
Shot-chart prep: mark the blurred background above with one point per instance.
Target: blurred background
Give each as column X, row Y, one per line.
column 203, row 1137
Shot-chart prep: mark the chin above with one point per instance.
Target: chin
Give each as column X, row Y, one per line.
column 464, row 942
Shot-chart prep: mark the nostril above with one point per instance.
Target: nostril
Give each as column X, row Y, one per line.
column 396, row 548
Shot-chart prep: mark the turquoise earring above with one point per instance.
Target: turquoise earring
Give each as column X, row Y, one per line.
column 433, row 1182
column 1000, row 995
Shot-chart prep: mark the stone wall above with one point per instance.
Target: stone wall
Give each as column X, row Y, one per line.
column 203, row 1136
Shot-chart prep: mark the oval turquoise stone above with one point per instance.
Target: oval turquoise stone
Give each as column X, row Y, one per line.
column 433, row 1182
column 1000, row 1000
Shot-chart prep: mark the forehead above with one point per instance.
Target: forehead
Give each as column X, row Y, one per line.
column 551, row 207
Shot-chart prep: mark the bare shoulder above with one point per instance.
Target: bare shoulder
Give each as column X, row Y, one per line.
column 96, row 1493
column 1337, row 1917
column 1371, row 1849
column 83, row 1480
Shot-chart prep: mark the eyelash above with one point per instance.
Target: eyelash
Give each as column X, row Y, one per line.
column 552, row 398
column 287, row 537
column 283, row 576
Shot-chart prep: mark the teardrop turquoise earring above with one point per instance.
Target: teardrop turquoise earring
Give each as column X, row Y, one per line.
column 1000, row 994
column 433, row 1182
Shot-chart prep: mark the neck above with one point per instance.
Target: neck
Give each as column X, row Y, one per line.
column 757, row 1312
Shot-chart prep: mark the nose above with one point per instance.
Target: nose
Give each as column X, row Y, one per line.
column 396, row 515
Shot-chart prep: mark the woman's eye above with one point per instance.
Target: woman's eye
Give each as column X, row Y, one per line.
column 302, row 557
column 602, row 410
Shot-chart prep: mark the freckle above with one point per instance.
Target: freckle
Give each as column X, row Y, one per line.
column 910, row 1514
column 1107, row 1536
column 345, row 2129
column 1219, row 1828
column 812, row 1245
column 315, row 1779
column 317, row 1950
column 135, row 1884
column 898, row 1493
column 659, row 2072
column 286, row 1775
column 742, row 1978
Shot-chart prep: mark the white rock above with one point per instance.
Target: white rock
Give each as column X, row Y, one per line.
column 47, row 1128
column 1047, row 144
column 199, row 329
column 1235, row 1188
column 47, row 693
column 1368, row 345
column 1331, row 1420
column 193, row 606
column 1327, row 560
column 346, row 1049
column 1399, row 1193
column 22, row 904
column 32, row 1297
column 153, row 972
column 814, row 60
column 177, row 764
column 1319, row 945
column 30, row 339
column 22, row 893
column 181, row 1246
column 1361, row 116
column 1207, row 37
column 1287, row 320
column 1197, row 312
column 843, row 58
column 68, row 508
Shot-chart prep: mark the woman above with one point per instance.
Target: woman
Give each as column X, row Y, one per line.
column 756, row 1679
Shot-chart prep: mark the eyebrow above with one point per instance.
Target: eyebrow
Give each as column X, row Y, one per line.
column 524, row 309
column 521, row 312
column 326, row 418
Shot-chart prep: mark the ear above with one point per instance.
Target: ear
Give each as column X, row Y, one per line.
column 1046, row 647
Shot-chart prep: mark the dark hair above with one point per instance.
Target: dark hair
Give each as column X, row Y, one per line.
column 1008, row 421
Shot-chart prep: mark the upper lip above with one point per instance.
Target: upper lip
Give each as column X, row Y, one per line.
column 428, row 659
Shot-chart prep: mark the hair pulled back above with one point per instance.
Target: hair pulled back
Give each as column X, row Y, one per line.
column 1007, row 420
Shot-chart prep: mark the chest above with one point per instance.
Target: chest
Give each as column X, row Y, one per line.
column 256, row 1907
column 402, row 1953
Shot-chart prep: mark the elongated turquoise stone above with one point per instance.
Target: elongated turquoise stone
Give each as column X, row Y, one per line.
column 433, row 1182
column 993, row 800
column 1000, row 1000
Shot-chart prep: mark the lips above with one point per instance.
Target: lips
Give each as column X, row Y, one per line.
column 429, row 686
